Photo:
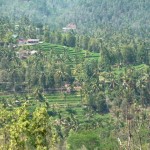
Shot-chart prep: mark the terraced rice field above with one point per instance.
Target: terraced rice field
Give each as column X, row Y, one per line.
column 71, row 52
column 56, row 98
column 57, row 102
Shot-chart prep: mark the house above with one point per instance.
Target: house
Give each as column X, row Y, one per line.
column 22, row 41
column 32, row 41
column 70, row 26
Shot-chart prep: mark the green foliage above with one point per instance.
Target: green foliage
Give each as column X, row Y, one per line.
column 90, row 15
column 129, row 55
column 91, row 140
column 71, row 40
column 29, row 131
column 43, row 135
column 98, row 97
column 47, row 35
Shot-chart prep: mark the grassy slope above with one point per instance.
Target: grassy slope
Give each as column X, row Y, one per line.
column 58, row 49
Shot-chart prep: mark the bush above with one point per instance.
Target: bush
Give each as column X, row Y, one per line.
column 99, row 139
column 86, row 138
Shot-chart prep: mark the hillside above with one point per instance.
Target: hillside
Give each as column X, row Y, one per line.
column 89, row 15
column 74, row 74
column 60, row 91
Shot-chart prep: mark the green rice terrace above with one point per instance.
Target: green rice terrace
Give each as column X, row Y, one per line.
column 75, row 55
column 58, row 104
column 58, row 49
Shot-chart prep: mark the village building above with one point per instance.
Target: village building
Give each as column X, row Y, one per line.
column 70, row 26
column 32, row 41
column 22, row 41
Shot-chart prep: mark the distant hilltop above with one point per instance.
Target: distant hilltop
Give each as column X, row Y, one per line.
column 91, row 16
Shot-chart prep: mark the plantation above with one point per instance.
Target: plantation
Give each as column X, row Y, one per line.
column 74, row 75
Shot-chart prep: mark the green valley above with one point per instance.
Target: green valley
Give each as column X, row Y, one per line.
column 74, row 75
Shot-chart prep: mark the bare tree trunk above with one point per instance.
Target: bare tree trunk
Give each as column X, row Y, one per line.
column 129, row 136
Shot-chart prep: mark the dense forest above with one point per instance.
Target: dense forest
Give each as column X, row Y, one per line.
column 89, row 15
column 84, row 88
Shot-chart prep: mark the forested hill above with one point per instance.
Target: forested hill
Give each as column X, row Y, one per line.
column 114, row 13
column 89, row 15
